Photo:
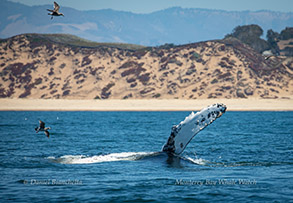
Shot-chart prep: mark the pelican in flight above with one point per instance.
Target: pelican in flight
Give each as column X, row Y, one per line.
column 43, row 128
column 55, row 12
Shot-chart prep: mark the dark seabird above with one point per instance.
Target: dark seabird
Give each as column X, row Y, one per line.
column 43, row 128
column 267, row 57
column 55, row 12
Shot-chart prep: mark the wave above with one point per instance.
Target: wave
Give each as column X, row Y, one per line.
column 123, row 156
column 82, row 159
column 134, row 156
column 198, row 161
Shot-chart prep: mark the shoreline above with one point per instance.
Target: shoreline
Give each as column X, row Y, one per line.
column 143, row 105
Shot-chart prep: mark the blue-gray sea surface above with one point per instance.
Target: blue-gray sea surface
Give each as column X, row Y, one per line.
column 112, row 157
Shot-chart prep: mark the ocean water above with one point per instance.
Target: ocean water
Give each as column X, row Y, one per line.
column 115, row 157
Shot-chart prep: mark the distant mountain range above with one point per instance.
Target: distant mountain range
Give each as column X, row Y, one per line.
column 174, row 25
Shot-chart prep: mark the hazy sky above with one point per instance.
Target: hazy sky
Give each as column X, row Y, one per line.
column 147, row 6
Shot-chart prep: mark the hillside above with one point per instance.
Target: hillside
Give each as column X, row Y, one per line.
column 151, row 29
column 72, row 40
column 50, row 68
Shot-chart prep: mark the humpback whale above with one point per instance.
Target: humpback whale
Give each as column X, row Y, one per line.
column 55, row 12
column 178, row 140
column 183, row 133
column 43, row 128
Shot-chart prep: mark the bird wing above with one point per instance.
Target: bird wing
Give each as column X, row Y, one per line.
column 56, row 7
column 50, row 10
column 47, row 133
column 42, row 124
column 266, row 58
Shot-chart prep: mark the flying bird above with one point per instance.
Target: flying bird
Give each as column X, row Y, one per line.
column 55, row 12
column 267, row 57
column 43, row 128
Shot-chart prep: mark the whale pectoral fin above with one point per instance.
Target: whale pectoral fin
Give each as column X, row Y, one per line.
column 183, row 133
column 169, row 147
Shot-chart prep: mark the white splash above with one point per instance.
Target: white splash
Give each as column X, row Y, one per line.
column 198, row 161
column 82, row 159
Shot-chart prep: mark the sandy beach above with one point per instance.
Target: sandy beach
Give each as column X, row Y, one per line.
column 143, row 105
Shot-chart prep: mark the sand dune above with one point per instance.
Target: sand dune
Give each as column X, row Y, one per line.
column 222, row 69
